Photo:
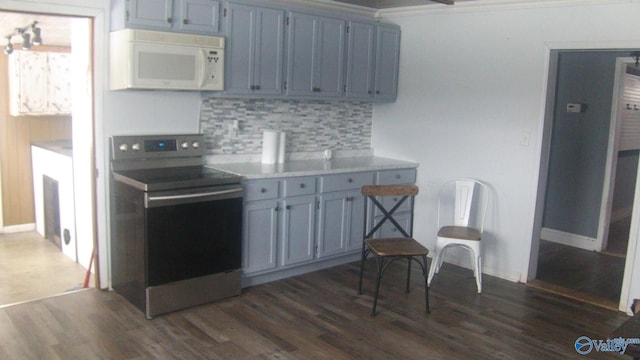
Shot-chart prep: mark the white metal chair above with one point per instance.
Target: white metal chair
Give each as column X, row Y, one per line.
column 462, row 206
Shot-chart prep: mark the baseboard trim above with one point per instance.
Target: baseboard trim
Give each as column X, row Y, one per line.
column 565, row 238
column 17, row 228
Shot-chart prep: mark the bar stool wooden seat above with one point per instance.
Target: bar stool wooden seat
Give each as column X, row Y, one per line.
column 391, row 248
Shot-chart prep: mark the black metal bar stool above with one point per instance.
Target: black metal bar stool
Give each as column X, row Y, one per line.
column 391, row 248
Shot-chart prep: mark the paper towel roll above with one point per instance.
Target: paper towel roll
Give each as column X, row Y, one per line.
column 270, row 146
column 282, row 146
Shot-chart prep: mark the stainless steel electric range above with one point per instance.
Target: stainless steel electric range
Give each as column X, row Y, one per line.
column 176, row 224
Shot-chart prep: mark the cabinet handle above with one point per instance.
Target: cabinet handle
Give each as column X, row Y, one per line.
column 369, row 92
column 169, row 20
column 257, row 87
column 276, row 209
column 395, row 199
column 377, row 91
column 252, row 87
column 263, row 190
column 185, row 21
column 302, row 186
column 288, row 207
column 398, row 176
column 350, row 180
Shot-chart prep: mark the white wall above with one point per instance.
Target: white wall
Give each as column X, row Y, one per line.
column 472, row 88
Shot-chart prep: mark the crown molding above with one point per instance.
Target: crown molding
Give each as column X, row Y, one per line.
column 333, row 6
column 491, row 5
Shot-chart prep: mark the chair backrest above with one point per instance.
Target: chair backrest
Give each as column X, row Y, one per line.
column 463, row 202
column 374, row 195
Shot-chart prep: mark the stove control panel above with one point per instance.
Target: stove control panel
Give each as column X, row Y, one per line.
column 156, row 146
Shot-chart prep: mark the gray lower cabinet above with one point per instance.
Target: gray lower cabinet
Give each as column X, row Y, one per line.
column 297, row 222
column 340, row 223
column 298, row 225
column 260, row 235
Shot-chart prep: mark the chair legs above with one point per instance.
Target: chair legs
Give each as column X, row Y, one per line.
column 476, row 260
column 381, row 267
column 365, row 252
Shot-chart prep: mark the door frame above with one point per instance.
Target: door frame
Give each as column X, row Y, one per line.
column 632, row 271
column 96, row 10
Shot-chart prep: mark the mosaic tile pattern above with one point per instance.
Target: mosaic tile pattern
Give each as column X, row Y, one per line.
column 310, row 125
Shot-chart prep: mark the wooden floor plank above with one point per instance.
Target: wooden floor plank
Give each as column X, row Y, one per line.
column 317, row 316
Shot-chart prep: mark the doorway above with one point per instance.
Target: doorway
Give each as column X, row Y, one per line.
column 66, row 134
column 590, row 180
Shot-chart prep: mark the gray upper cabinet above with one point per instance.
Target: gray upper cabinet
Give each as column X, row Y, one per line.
column 387, row 62
column 149, row 13
column 190, row 16
column 198, row 15
column 360, row 60
column 255, row 39
column 315, row 55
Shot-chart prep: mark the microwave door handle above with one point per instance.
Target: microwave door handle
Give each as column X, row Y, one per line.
column 203, row 67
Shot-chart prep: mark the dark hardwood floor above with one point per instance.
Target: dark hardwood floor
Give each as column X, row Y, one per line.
column 585, row 275
column 317, row 316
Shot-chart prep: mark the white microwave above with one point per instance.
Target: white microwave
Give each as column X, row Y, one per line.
column 143, row 59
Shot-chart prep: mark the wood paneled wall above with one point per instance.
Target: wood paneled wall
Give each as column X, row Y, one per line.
column 16, row 136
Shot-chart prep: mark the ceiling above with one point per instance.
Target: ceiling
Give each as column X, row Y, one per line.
column 56, row 30
column 387, row 4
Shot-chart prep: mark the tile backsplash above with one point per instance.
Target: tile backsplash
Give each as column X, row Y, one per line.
column 310, row 125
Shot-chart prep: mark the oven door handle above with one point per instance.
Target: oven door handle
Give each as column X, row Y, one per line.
column 166, row 200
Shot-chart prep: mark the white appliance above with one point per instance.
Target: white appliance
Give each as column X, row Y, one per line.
column 143, row 59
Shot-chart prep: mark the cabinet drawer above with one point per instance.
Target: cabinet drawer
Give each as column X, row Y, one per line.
column 298, row 186
column 399, row 176
column 348, row 181
column 260, row 190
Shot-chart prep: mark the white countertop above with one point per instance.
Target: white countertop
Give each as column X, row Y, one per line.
column 257, row 170
column 62, row 147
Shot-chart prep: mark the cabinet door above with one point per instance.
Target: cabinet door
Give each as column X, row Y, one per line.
column 30, row 90
column 387, row 62
column 240, row 30
column 360, row 64
column 59, row 83
column 259, row 236
column 298, row 224
column 340, row 223
column 355, row 235
column 302, row 38
column 333, row 223
column 198, row 15
column 269, row 53
column 150, row 13
column 329, row 62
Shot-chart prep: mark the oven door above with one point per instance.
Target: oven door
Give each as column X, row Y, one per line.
column 192, row 233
